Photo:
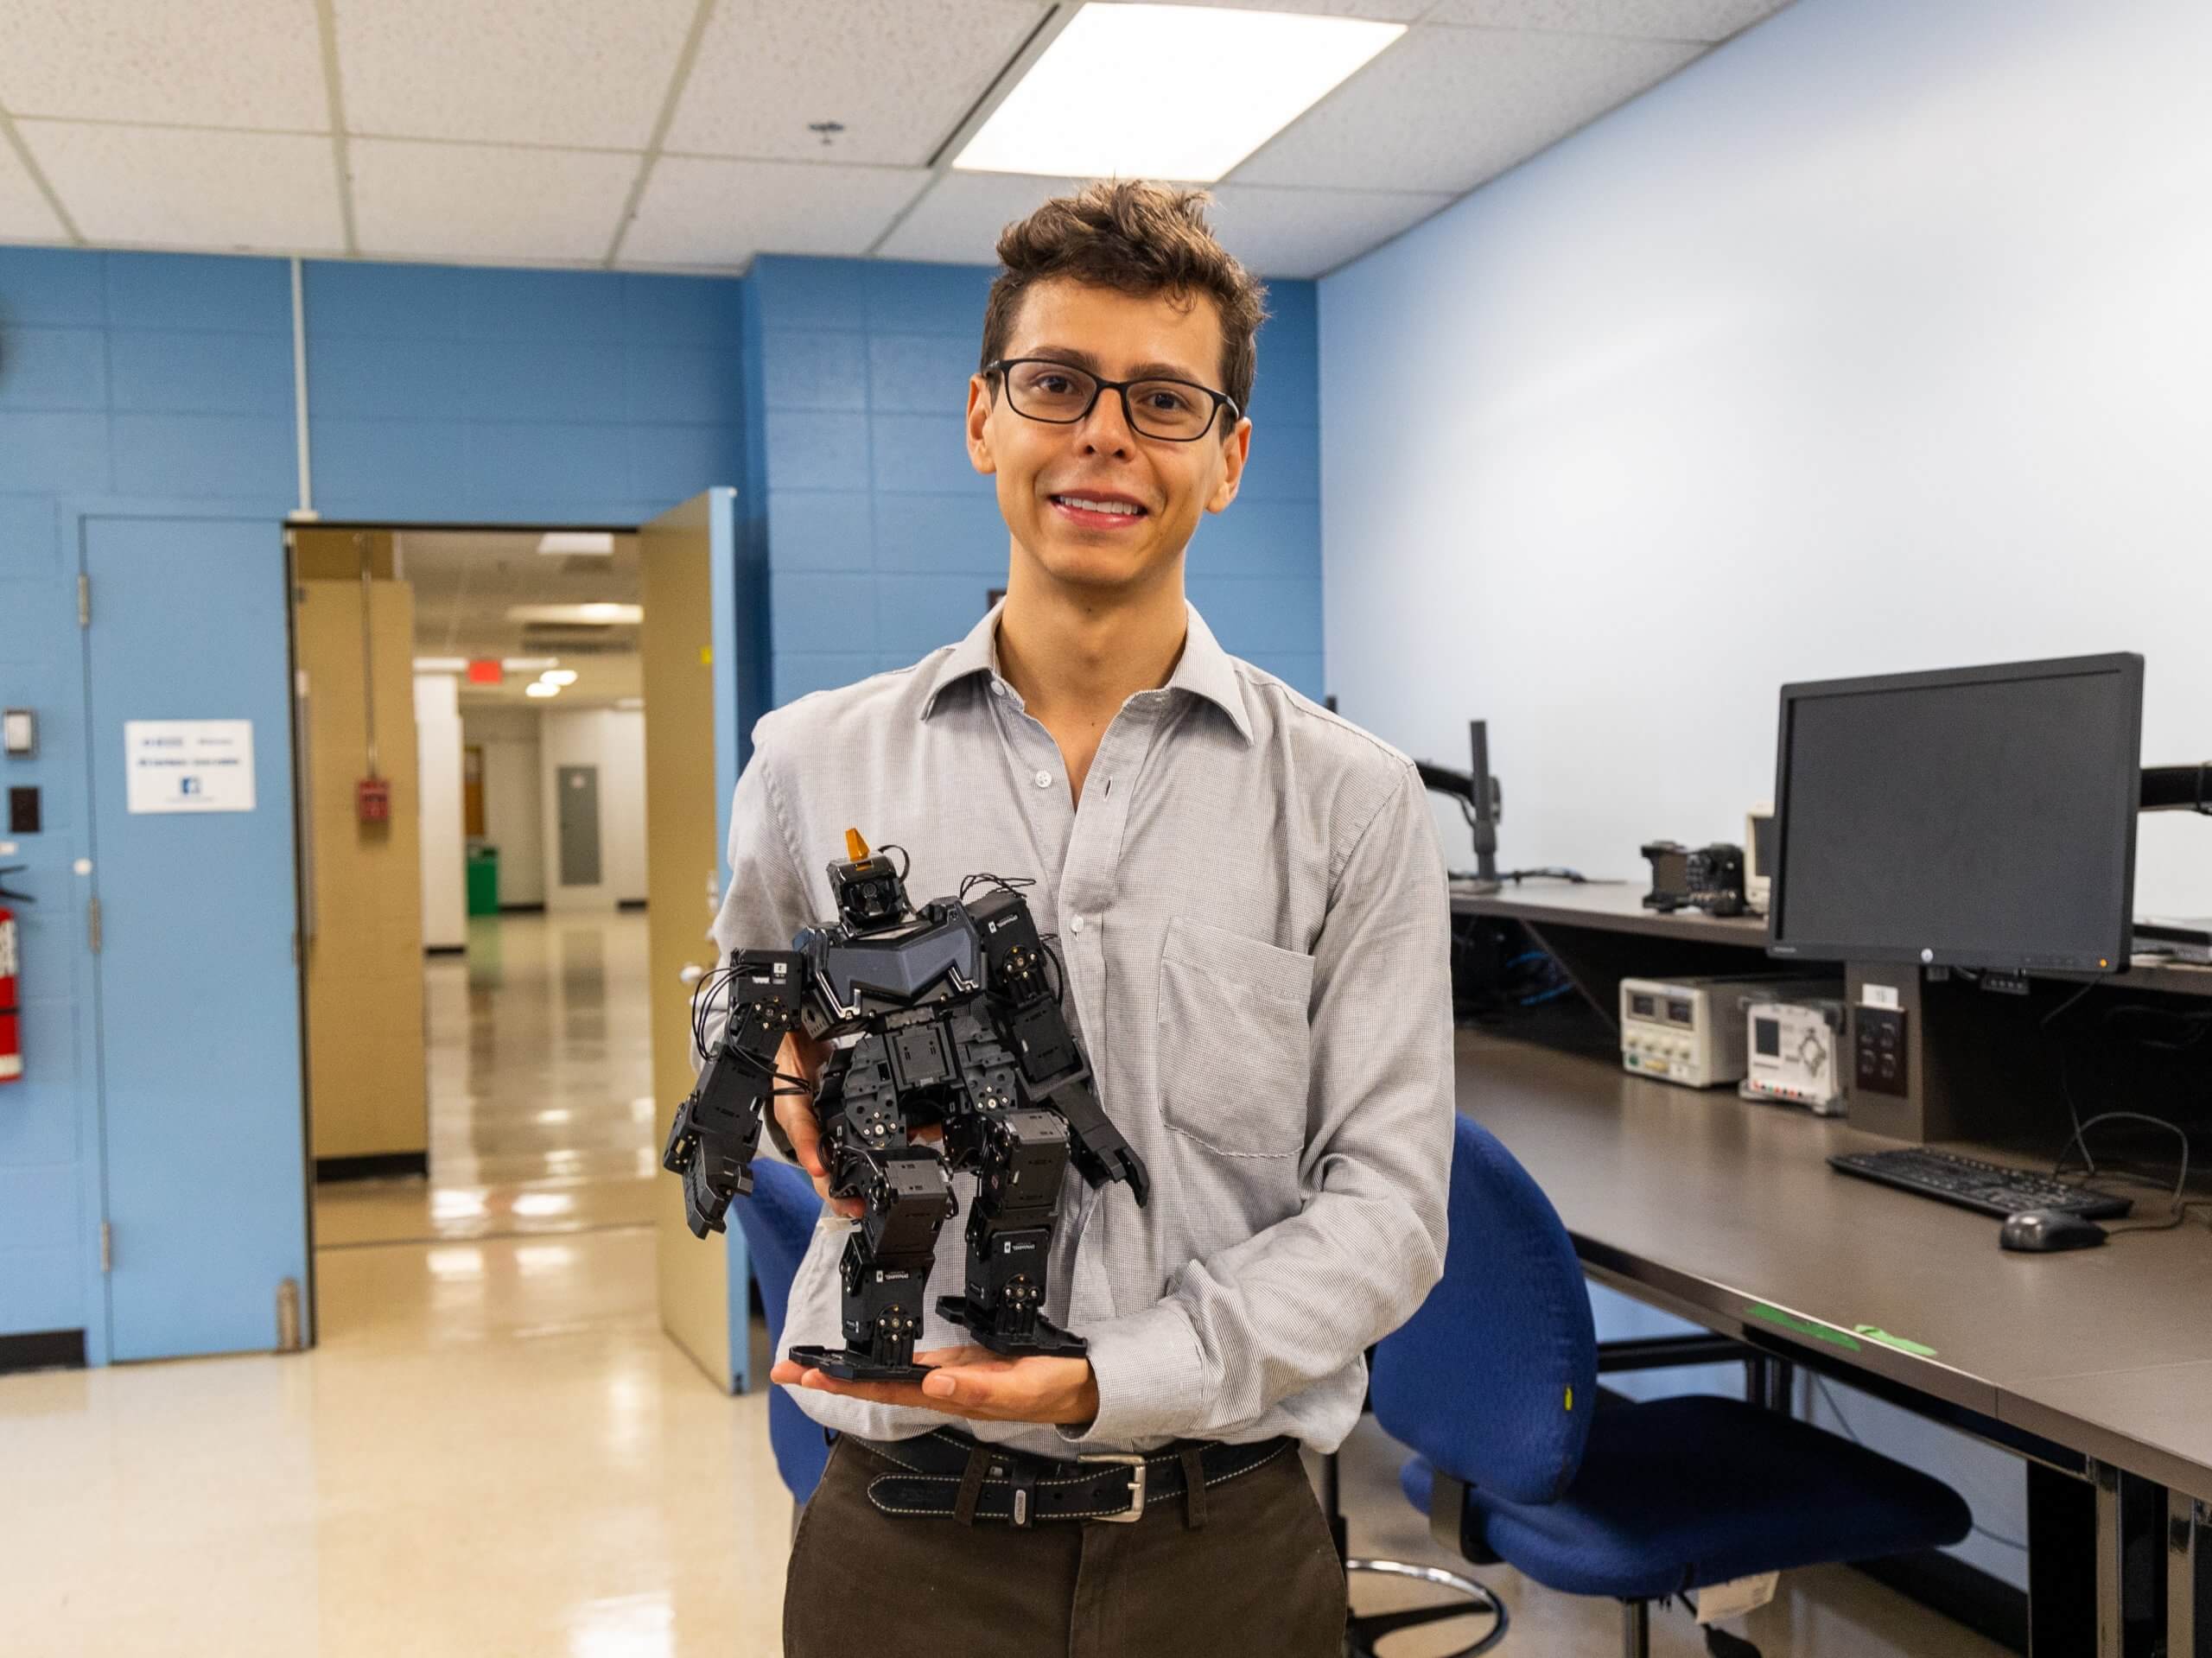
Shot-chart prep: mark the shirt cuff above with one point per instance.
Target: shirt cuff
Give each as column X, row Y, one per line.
column 1151, row 1379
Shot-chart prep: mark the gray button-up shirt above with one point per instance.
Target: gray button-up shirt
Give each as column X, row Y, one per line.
column 1251, row 909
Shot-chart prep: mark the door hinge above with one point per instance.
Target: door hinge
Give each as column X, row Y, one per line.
column 107, row 1248
column 83, row 599
column 92, row 923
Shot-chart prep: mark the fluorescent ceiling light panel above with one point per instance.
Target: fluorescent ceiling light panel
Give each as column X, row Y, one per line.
column 599, row 615
column 559, row 676
column 528, row 664
column 1168, row 91
column 539, row 688
column 441, row 664
column 576, row 541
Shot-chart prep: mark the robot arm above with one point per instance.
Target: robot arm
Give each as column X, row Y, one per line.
column 717, row 1129
column 1026, row 1016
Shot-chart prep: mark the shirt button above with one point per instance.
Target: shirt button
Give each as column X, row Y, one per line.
column 1074, row 924
column 1044, row 779
column 997, row 689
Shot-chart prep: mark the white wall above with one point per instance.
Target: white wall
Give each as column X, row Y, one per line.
column 514, row 809
column 1876, row 340
column 437, row 747
column 614, row 740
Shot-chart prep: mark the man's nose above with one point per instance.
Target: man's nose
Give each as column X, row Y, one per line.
column 1105, row 429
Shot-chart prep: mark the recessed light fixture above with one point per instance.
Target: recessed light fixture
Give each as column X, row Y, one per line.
column 629, row 704
column 592, row 615
column 441, row 664
column 539, row 688
column 528, row 664
column 598, row 542
column 1168, row 91
column 559, row 677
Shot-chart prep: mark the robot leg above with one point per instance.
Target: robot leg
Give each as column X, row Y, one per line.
column 906, row 1196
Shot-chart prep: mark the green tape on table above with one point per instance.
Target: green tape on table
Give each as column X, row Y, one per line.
column 1918, row 1350
column 1797, row 1326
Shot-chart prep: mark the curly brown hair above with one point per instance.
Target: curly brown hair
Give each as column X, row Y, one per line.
column 1140, row 238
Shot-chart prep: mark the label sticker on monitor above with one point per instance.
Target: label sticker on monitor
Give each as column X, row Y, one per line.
column 1879, row 995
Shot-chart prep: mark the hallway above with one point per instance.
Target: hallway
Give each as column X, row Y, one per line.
column 542, row 1115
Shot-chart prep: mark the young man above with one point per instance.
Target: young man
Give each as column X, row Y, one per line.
column 1251, row 909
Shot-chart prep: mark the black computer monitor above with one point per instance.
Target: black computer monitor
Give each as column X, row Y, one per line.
column 1977, row 818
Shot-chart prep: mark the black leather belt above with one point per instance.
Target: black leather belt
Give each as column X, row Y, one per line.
column 948, row 1473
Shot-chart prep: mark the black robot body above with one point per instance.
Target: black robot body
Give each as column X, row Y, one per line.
column 959, row 1027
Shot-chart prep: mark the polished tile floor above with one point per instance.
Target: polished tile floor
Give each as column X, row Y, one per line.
column 542, row 1115
column 494, row 1451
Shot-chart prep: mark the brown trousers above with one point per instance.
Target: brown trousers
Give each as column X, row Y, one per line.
column 1258, row 1578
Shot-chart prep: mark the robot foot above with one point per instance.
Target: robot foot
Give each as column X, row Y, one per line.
column 848, row 1366
column 1045, row 1339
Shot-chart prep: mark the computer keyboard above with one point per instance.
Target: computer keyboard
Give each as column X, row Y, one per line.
column 1972, row 1184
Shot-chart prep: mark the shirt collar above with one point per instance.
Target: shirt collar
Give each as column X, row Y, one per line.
column 1204, row 670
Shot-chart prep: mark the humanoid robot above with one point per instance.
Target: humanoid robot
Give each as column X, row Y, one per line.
column 956, row 1007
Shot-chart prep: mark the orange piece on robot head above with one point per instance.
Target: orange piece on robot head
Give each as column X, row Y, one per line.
column 855, row 849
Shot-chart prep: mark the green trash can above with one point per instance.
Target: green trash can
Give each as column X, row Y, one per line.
column 483, row 880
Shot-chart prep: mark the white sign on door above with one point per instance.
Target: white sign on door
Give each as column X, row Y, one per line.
column 189, row 765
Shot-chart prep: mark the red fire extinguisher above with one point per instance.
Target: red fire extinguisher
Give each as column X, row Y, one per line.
column 11, row 1044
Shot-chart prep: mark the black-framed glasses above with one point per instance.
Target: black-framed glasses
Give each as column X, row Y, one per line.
column 1061, row 394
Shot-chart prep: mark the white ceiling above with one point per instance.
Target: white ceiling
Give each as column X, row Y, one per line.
column 465, row 582
column 679, row 133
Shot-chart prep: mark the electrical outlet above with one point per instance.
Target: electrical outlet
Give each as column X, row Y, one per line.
column 1878, row 1051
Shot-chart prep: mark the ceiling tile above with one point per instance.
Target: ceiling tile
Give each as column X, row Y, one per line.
column 959, row 221
column 24, row 216
column 483, row 201
column 1305, row 232
column 218, row 63
column 720, row 214
column 578, row 73
column 166, row 187
column 1445, row 109
column 899, row 77
column 1650, row 20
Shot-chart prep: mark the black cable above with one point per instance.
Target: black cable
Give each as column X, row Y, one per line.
column 906, row 858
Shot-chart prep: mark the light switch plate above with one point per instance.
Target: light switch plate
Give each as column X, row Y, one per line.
column 20, row 727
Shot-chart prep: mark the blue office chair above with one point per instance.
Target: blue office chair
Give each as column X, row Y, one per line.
column 1494, row 1383
column 777, row 1221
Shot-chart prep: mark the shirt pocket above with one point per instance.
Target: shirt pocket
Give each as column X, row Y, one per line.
column 1234, row 1044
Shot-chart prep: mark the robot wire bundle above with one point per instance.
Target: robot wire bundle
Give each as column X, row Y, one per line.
column 957, row 1010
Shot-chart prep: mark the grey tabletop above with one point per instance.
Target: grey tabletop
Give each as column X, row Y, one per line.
column 1724, row 1209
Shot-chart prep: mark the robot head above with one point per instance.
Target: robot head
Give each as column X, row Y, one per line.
column 870, row 894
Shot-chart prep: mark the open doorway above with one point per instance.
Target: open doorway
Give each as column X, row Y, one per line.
column 511, row 736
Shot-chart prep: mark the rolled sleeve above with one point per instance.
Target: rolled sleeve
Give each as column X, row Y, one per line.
column 767, row 901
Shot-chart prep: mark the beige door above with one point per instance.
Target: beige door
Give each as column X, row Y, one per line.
column 367, row 1086
column 690, row 768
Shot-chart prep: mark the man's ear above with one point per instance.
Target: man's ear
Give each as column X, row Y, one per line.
column 979, row 421
column 1234, row 451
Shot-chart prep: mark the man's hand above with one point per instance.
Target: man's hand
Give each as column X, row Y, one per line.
column 974, row 1382
column 802, row 1056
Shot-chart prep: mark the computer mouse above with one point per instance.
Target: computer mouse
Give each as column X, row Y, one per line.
column 2040, row 1232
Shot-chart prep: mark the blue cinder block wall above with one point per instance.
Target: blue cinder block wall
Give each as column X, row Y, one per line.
column 827, row 389
column 129, row 381
column 164, row 383
column 880, row 541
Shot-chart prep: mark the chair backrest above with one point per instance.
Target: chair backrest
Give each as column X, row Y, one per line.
column 777, row 1221
column 1495, row 1378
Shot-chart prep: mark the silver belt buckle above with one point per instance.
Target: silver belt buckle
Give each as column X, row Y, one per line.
column 1135, row 1464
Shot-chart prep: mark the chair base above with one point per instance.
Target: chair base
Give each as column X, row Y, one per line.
column 1364, row 1631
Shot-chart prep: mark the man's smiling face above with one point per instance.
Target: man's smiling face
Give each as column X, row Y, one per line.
column 1095, row 504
